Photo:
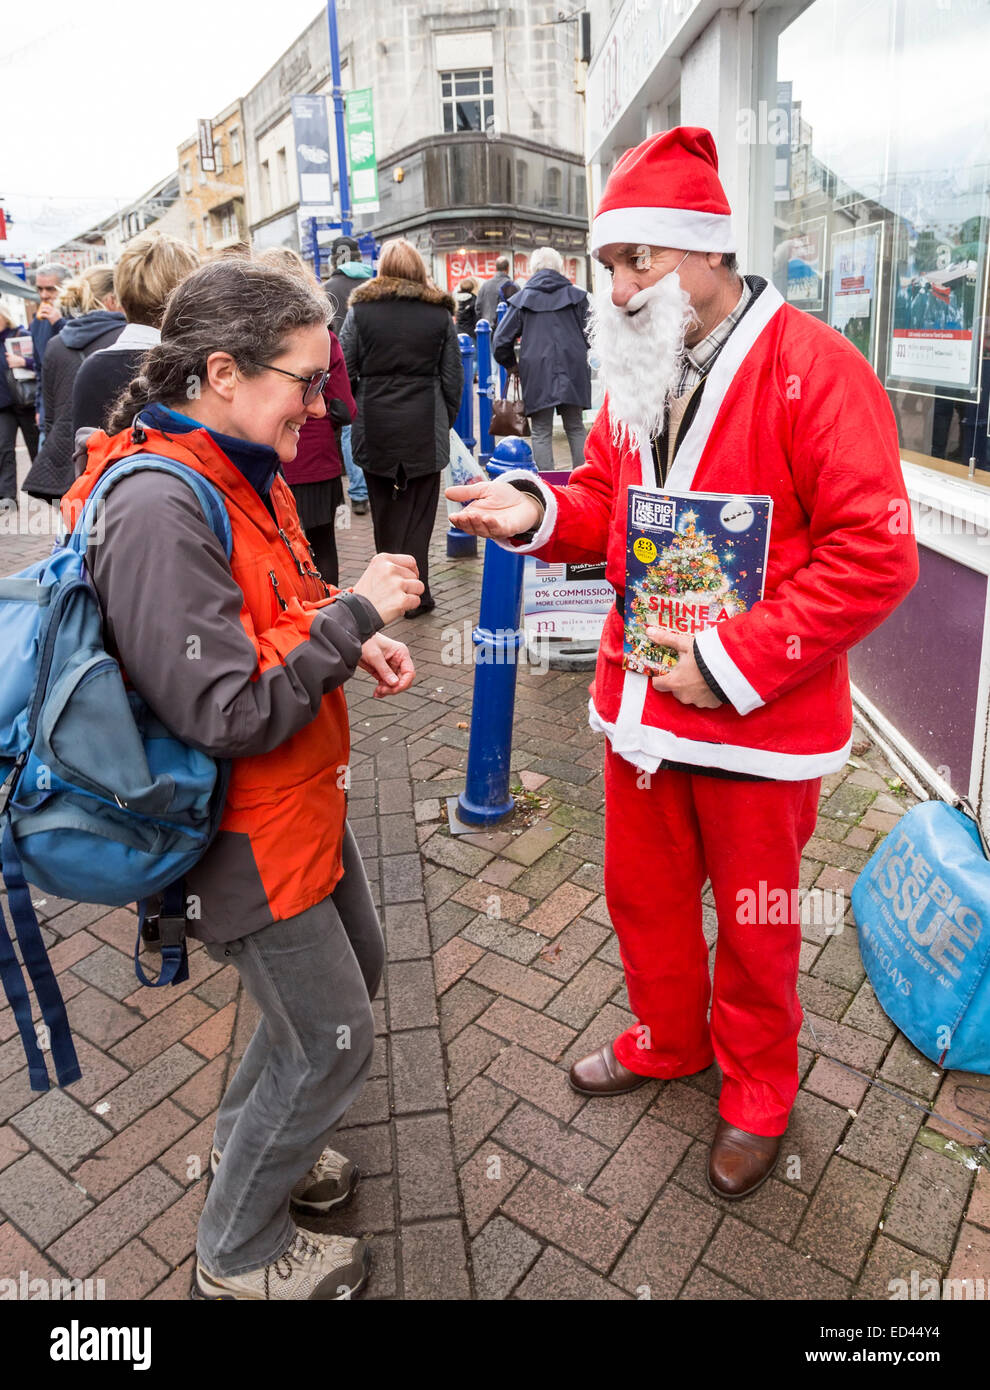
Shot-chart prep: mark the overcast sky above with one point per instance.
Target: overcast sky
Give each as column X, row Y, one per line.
column 99, row 93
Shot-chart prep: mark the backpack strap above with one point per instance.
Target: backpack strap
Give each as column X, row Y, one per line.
column 208, row 496
column 172, row 921
column 171, row 935
column 43, row 979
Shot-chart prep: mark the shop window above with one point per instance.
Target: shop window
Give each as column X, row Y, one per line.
column 468, row 100
column 870, row 205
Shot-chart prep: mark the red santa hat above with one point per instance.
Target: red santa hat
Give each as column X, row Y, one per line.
column 666, row 192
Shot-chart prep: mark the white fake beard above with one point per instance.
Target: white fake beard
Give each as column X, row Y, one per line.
column 640, row 355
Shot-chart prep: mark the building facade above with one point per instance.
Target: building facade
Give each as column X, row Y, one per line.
column 157, row 210
column 478, row 129
column 212, row 201
column 861, row 190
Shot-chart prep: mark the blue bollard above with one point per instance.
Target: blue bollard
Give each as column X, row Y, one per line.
column 497, row 639
column 486, row 391
column 460, row 545
column 464, row 424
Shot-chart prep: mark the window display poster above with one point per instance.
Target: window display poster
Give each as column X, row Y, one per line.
column 853, row 310
column 565, row 600
column 935, row 284
column 805, row 254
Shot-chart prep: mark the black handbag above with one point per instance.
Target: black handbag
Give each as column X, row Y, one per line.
column 23, row 391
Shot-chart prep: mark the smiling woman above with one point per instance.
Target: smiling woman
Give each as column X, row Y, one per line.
column 244, row 657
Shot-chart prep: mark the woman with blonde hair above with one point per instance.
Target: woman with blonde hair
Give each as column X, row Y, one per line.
column 148, row 271
column 401, row 349
column 93, row 320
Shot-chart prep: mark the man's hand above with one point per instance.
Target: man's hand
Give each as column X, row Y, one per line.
column 685, row 682
column 390, row 661
column 47, row 309
column 497, row 511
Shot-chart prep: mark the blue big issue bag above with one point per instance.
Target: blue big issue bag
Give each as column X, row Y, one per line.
column 99, row 802
column 922, row 906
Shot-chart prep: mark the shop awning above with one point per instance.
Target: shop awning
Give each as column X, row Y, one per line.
column 12, row 284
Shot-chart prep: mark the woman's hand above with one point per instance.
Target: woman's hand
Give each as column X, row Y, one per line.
column 498, row 510
column 390, row 661
column 392, row 584
column 14, row 361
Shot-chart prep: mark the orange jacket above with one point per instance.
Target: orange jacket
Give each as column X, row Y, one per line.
column 288, row 802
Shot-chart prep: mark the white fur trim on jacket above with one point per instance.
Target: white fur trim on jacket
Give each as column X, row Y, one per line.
column 742, row 338
column 680, row 228
column 549, row 516
column 647, row 747
column 744, row 696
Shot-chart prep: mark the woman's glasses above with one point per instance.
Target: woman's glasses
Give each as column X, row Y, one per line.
column 314, row 383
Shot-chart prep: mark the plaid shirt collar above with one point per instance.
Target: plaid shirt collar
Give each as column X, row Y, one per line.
column 698, row 359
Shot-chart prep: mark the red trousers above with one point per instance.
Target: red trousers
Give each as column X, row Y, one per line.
column 664, row 835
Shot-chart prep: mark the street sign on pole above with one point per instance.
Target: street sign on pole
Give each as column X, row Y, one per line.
column 361, row 147
column 207, row 155
column 311, row 135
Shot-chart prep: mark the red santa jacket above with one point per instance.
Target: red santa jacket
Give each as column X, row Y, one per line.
column 792, row 410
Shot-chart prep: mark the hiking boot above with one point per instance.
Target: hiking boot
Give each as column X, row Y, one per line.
column 329, row 1183
column 324, row 1267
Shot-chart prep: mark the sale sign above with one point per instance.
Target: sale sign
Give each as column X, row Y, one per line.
column 479, row 264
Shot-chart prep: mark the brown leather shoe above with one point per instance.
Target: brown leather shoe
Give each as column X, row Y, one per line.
column 602, row 1074
column 740, row 1162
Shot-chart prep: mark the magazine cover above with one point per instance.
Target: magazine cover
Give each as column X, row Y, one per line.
column 693, row 559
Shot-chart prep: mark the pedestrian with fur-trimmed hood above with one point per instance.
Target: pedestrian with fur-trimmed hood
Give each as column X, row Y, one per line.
column 402, row 354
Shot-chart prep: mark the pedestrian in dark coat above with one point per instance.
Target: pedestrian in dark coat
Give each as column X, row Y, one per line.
column 401, row 349
column 550, row 317
column 498, row 290
column 349, row 271
column 467, row 306
column 93, row 320
column 14, row 415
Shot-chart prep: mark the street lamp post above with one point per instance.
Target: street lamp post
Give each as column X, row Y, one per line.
column 338, row 120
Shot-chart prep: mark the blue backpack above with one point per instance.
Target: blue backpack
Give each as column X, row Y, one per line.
column 922, row 907
column 98, row 801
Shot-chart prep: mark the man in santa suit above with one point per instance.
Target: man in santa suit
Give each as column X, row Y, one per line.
column 713, row 771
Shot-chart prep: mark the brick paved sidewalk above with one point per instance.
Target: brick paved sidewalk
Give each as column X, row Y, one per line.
column 485, row 1176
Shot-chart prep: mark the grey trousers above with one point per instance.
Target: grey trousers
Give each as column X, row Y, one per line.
column 541, row 423
column 313, row 977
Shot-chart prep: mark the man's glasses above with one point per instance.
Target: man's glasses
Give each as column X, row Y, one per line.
column 314, row 383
